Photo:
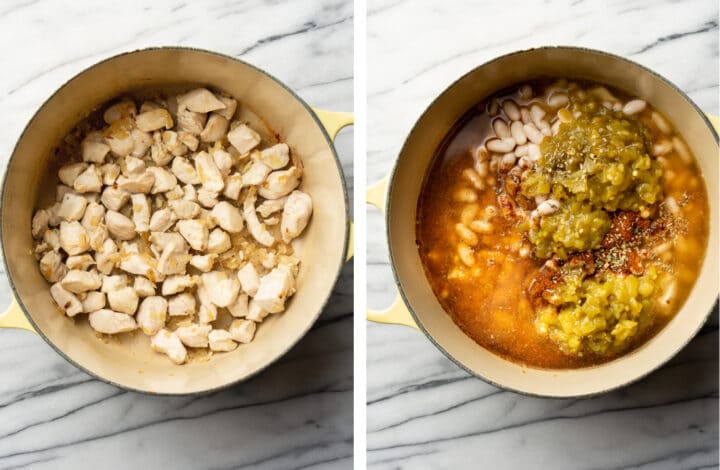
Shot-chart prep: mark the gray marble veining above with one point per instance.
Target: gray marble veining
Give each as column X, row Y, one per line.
column 298, row 413
column 425, row 412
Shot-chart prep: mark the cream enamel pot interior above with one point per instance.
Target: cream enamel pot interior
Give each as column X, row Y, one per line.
column 127, row 360
column 397, row 195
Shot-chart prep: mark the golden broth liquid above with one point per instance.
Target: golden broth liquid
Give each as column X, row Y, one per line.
column 488, row 300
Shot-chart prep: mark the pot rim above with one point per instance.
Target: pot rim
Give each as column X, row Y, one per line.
column 338, row 270
column 396, row 276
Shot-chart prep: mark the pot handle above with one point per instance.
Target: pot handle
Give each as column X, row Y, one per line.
column 397, row 313
column 15, row 318
column 333, row 121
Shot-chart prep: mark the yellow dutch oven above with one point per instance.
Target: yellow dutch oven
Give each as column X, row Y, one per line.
column 127, row 360
column 397, row 196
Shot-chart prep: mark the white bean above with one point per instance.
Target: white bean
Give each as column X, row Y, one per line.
column 467, row 215
column 545, row 128
column 481, row 226
column 465, row 195
column 548, row 207
column 521, row 150
column 663, row 147
column 511, row 110
column 501, row 128
column 557, row 100
column 466, row 235
column 556, row 127
column 525, row 116
column 634, row 107
column 525, row 163
column 516, row 129
column 534, row 152
column 508, row 161
column 481, row 154
column 493, row 108
column 661, row 122
column 474, row 178
column 490, row 212
column 466, row 254
column 481, row 168
column 540, row 198
column 524, row 251
column 617, row 106
column 608, row 104
column 604, row 94
column 672, row 205
column 681, row 149
column 503, row 145
column 536, row 113
column 533, row 134
column 525, row 92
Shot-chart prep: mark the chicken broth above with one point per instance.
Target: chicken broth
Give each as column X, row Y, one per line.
column 562, row 224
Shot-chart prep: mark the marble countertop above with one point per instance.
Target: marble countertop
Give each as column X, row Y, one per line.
column 298, row 413
column 425, row 412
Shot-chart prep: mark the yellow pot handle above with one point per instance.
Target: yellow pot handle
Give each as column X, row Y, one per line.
column 397, row 313
column 15, row 318
column 715, row 121
column 333, row 121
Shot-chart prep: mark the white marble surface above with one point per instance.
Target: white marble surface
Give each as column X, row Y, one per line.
column 297, row 414
column 424, row 412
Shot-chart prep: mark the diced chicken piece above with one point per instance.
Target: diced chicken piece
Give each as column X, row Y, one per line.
column 208, row 311
column 130, row 247
column 230, row 107
column 255, row 227
column 72, row 207
column 61, row 191
column 215, row 128
column 162, row 220
column 143, row 286
column 175, row 193
column 52, row 238
column 175, row 284
column 243, row 331
column 218, row 241
column 189, row 140
column 194, row 336
column 239, row 308
column 106, row 257
column 221, row 340
column 141, row 183
column 141, row 213
column 208, row 172
column 68, row 173
column 73, row 238
column 93, row 216
column 153, row 120
column 67, row 301
column 93, row 301
column 97, row 236
column 189, row 193
column 203, row 263
column 81, row 262
column 89, row 181
column 77, row 281
column 243, row 138
column 123, row 300
column 200, row 100
column 109, row 322
column 275, row 287
column 54, row 219
column 160, row 154
column 222, row 290
column 233, row 185
column 164, row 180
column 223, row 160
column 269, row 260
column 52, row 267
column 172, row 143
column 142, row 265
column 190, row 121
column 93, row 151
column 255, row 312
column 149, row 106
column 110, row 173
column 120, row 110
column 181, row 305
column 249, row 279
column 152, row 314
column 280, row 183
column 141, row 142
column 115, row 282
column 114, row 199
column 276, row 157
column 184, row 209
column 256, row 174
column 271, row 206
column 206, row 217
column 184, row 171
column 171, row 262
column 132, row 166
column 161, row 240
column 119, row 226
column 296, row 215
column 228, row 217
column 195, row 232
column 168, row 343
column 40, row 222
column 207, row 198
column 118, row 136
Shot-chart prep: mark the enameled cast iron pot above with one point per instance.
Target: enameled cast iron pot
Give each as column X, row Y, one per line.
column 127, row 361
column 397, row 195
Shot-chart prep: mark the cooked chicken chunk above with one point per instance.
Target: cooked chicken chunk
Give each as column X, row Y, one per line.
column 106, row 257
column 119, row 226
column 73, row 238
column 228, row 217
column 143, row 286
column 184, row 209
column 110, row 173
column 114, row 199
column 152, row 314
column 208, row 199
column 40, row 222
column 132, row 166
column 218, row 241
column 266, row 208
column 296, row 215
column 70, row 172
column 195, row 232
column 243, row 331
column 280, row 183
column 164, row 180
column 230, row 106
column 203, row 263
column 169, row 344
column 194, row 336
column 233, row 185
column 153, row 120
column 141, row 183
column 200, row 100
column 175, row 284
column 275, row 287
column 122, row 109
column 256, row 174
column 221, row 340
column 52, row 267
column 141, row 265
column 255, row 227
column 239, row 308
column 181, row 304
column 215, row 128
column 72, row 207
column 115, row 282
column 81, row 262
column 190, row 121
column 276, row 157
column 162, row 240
column 141, row 212
column 93, row 216
column 184, row 171
column 109, row 322
column 208, row 173
column 67, row 301
column 93, row 301
column 162, row 220
column 243, row 138
column 255, row 312
column 222, row 290
column 123, row 300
